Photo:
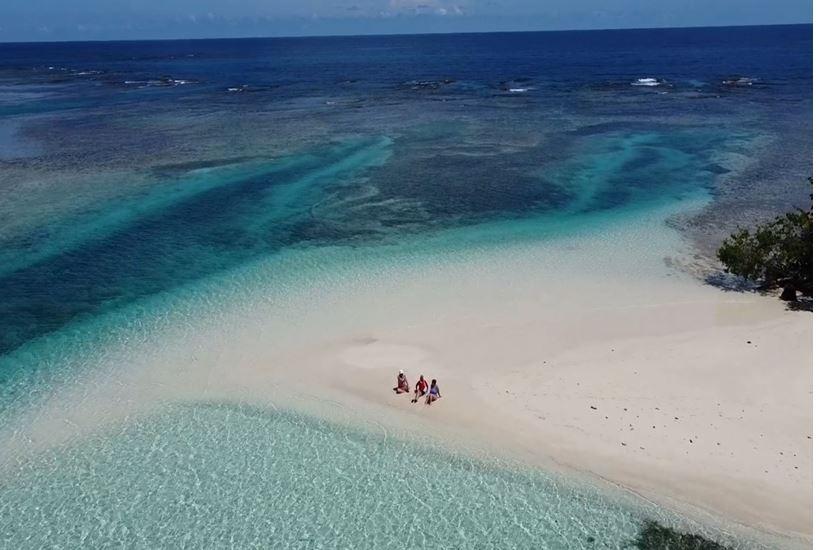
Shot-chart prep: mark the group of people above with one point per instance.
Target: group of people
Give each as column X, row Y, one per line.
column 421, row 388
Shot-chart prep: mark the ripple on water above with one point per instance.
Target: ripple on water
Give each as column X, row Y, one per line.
column 213, row 474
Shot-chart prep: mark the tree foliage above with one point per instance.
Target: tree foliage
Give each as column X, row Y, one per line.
column 775, row 254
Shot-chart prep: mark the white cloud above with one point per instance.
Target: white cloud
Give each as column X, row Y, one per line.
column 420, row 7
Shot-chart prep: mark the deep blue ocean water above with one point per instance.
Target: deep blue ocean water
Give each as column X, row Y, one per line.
column 132, row 170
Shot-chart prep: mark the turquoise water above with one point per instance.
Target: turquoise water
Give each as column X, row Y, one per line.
column 219, row 475
column 194, row 226
column 202, row 222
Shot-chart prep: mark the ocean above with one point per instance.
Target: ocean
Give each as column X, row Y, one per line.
column 146, row 187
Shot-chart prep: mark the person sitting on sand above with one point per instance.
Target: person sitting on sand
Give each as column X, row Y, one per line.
column 420, row 389
column 402, row 383
column 433, row 392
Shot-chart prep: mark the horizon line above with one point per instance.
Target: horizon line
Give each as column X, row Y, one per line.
column 432, row 33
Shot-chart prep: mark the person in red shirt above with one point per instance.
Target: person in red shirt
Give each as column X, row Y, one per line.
column 402, row 383
column 420, row 389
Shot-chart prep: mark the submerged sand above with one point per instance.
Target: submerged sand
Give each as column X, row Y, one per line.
column 588, row 353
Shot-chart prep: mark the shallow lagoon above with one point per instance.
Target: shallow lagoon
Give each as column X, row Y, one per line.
column 220, row 474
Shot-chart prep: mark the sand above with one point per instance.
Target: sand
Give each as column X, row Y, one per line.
column 698, row 398
column 706, row 402
column 592, row 355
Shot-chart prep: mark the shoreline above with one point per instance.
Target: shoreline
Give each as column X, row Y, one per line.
column 520, row 337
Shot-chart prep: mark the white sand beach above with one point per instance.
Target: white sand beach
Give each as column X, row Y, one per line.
column 699, row 400
column 590, row 354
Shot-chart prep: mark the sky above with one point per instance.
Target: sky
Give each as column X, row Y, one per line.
column 47, row 20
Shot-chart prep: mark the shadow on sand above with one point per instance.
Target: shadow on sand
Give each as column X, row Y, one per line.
column 731, row 283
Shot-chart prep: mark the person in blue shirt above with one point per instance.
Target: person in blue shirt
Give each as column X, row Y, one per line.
column 433, row 392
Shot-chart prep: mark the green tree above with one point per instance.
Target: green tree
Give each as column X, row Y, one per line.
column 775, row 254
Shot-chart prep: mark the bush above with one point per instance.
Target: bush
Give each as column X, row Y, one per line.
column 775, row 254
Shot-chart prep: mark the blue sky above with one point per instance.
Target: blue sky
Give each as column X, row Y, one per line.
column 32, row 20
